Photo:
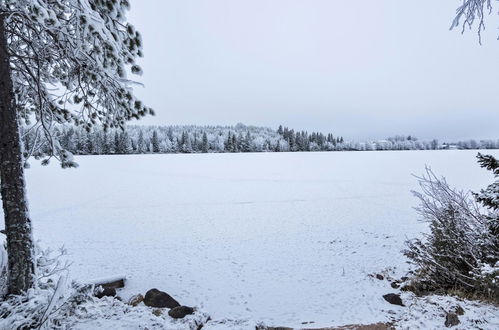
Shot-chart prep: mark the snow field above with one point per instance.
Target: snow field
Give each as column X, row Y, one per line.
column 279, row 238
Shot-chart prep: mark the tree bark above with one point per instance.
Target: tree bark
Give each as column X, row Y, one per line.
column 21, row 265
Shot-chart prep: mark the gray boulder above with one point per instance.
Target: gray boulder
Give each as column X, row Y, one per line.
column 159, row 299
column 393, row 299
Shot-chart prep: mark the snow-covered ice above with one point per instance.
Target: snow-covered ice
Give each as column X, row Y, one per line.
column 279, row 238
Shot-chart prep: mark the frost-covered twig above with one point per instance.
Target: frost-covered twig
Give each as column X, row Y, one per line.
column 58, row 294
column 472, row 11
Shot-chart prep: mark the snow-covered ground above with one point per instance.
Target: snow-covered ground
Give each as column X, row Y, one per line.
column 279, row 238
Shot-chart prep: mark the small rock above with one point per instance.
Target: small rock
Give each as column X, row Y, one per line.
column 451, row 320
column 393, row 299
column 157, row 312
column 101, row 292
column 180, row 312
column 459, row 310
column 380, row 277
column 135, row 300
column 395, row 285
column 160, row 299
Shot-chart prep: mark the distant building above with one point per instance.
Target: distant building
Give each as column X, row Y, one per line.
column 448, row 146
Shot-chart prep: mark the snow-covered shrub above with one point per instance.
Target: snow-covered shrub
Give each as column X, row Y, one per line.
column 44, row 305
column 460, row 252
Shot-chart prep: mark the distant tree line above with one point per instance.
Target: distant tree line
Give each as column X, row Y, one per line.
column 220, row 139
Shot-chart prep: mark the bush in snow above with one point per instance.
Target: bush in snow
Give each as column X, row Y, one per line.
column 50, row 300
column 461, row 251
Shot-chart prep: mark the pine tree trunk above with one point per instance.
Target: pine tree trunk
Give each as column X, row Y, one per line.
column 17, row 223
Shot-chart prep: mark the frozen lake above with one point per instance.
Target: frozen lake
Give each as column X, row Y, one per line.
column 283, row 238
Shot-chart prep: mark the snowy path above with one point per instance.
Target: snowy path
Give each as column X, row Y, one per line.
column 282, row 238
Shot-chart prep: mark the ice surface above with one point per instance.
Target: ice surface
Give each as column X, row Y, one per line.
column 279, row 238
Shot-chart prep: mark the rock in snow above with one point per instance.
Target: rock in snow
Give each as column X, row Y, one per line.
column 180, row 312
column 451, row 320
column 459, row 310
column 393, row 299
column 160, row 299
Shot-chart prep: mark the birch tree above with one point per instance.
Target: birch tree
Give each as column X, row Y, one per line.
column 61, row 62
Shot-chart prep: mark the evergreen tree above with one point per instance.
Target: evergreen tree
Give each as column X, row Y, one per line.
column 278, row 147
column 489, row 197
column 98, row 142
column 125, row 143
column 106, row 150
column 182, row 142
column 228, row 143
column 141, row 143
column 80, row 142
column 195, row 142
column 204, row 143
column 169, row 134
column 116, row 147
column 155, row 142
column 246, row 142
column 291, row 140
column 187, row 145
column 67, row 140
column 88, row 147
column 234, row 143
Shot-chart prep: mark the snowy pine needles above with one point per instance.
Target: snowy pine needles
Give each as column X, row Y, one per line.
column 69, row 61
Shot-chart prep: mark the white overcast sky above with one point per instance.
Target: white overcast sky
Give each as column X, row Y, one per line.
column 361, row 69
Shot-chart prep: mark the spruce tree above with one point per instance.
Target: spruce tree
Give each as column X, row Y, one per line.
column 234, row 143
column 141, row 144
column 105, row 144
column 116, row 147
column 155, row 142
column 204, row 143
column 228, row 143
column 126, row 143
column 246, row 142
column 489, row 197
column 89, row 145
column 187, row 148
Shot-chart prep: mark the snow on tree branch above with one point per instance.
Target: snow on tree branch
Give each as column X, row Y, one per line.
column 69, row 61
